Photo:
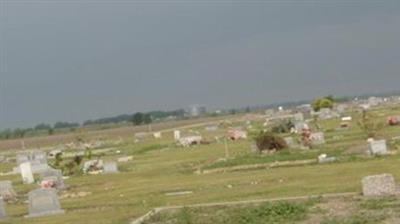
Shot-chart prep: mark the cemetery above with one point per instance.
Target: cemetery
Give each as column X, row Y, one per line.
column 229, row 169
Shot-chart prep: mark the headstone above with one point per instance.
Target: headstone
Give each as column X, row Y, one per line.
column 177, row 135
column 6, row 190
column 299, row 126
column 141, row 135
column 190, row 140
column 43, row 202
column 323, row 158
column 26, row 173
column 110, row 167
column 3, row 213
column 317, row 138
column 92, row 165
column 125, row 159
column 53, row 176
column 378, row 147
column 325, row 113
column 22, row 158
column 157, row 135
column 379, row 185
column 211, row 128
column 37, row 159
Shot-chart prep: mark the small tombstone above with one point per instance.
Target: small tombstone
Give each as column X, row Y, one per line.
column 38, row 157
column 317, row 138
column 141, row 135
column 6, row 190
column 323, row 158
column 325, row 113
column 211, row 128
column 190, row 140
column 93, row 166
column 54, row 177
column 378, row 147
column 3, row 213
column 157, row 135
column 110, row 167
column 26, row 173
column 22, row 158
column 379, row 185
column 125, row 159
column 177, row 135
column 300, row 126
column 43, row 202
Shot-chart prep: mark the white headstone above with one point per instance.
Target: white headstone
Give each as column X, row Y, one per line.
column 177, row 135
column 157, row 135
column 110, row 167
column 323, row 158
column 379, row 185
column 26, row 173
column 378, row 147
column 92, row 165
column 43, row 202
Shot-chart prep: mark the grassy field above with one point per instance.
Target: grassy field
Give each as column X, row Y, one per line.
column 341, row 210
column 160, row 167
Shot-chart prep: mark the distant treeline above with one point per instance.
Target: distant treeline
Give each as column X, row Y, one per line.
column 138, row 118
column 62, row 127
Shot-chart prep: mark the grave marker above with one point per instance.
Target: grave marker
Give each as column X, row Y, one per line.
column 177, row 135
column 6, row 190
column 110, row 167
column 55, row 176
column 378, row 147
column 3, row 213
column 26, row 173
column 43, row 202
column 379, row 185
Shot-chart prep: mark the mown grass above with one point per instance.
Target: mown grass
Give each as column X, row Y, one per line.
column 276, row 212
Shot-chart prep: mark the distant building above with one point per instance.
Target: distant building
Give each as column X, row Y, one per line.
column 196, row 111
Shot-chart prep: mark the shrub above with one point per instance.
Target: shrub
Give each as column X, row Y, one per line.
column 270, row 141
column 282, row 127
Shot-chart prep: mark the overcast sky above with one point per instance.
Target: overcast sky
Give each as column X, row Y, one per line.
column 76, row 60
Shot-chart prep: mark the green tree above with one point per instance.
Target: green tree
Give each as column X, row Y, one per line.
column 324, row 102
column 138, row 118
column 147, row 119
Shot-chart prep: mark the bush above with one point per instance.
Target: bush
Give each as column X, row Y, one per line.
column 282, row 127
column 270, row 141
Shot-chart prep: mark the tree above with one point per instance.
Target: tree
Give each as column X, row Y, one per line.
column 324, row 102
column 147, row 119
column 42, row 126
column 138, row 118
